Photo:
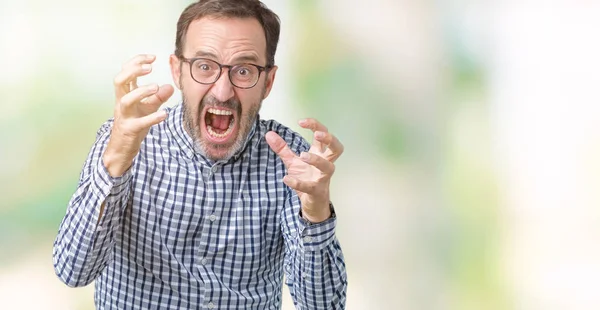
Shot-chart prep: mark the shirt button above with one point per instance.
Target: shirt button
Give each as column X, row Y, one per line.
column 214, row 169
column 204, row 261
column 210, row 305
column 307, row 239
column 304, row 275
column 212, row 217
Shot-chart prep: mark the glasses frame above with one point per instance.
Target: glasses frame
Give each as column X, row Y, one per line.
column 221, row 66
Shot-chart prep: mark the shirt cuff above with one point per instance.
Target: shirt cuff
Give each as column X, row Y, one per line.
column 106, row 189
column 105, row 184
column 315, row 237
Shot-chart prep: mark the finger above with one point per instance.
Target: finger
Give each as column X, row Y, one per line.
column 126, row 80
column 318, row 162
column 139, row 60
column 307, row 187
column 161, row 96
column 133, row 85
column 151, row 119
column 336, row 148
column 323, row 138
column 138, row 94
column 280, row 147
column 312, row 124
column 315, row 126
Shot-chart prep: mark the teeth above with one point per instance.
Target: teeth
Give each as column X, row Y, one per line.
column 219, row 135
column 219, row 112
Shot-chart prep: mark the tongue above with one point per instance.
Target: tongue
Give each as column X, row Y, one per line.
column 220, row 122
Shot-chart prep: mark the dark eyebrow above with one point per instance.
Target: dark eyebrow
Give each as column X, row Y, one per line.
column 246, row 58
column 249, row 58
column 204, row 54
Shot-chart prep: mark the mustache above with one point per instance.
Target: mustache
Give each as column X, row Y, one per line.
column 210, row 101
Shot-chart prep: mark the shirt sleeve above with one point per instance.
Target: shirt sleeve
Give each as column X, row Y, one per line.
column 314, row 264
column 84, row 243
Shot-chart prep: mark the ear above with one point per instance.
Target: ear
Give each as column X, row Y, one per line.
column 269, row 81
column 175, row 69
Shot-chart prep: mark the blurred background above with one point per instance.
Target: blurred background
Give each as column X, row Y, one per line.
column 471, row 176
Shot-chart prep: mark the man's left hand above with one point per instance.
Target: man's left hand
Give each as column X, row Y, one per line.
column 310, row 173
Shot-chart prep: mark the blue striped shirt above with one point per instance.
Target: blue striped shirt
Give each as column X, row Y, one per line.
column 182, row 232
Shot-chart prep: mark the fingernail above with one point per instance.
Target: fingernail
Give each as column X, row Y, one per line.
column 149, row 56
column 154, row 87
column 304, row 155
column 320, row 134
column 146, row 67
column 302, row 121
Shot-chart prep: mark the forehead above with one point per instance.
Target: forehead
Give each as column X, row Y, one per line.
column 226, row 39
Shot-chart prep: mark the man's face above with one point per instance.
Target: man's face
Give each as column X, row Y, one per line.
column 219, row 116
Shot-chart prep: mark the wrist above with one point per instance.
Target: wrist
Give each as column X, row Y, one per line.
column 115, row 162
column 120, row 151
column 115, row 167
column 319, row 215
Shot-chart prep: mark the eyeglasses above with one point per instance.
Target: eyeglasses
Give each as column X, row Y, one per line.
column 206, row 71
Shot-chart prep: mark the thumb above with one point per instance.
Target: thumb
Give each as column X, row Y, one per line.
column 280, row 147
column 161, row 96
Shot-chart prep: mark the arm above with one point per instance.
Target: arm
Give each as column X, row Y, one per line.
column 84, row 242
column 85, row 239
column 314, row 264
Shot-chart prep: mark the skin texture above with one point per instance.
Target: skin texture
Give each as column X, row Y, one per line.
column 231, row 42
column 227, row 41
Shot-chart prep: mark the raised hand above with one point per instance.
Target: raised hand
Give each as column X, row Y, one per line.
column 136, row 110
column 310, row 173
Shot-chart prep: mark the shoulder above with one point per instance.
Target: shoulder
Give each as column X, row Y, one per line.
column 294, row 140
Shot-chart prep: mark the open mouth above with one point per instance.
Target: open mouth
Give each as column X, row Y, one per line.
column 220, row 123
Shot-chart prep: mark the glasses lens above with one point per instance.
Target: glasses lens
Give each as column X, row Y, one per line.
column 244, row 75
column 205, row 71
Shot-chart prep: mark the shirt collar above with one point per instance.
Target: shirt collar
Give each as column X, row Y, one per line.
column 185, row 142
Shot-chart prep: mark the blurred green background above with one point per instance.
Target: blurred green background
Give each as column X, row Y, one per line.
column 470, row 177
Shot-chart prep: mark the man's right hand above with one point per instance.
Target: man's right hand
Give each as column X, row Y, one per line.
column 136, row 110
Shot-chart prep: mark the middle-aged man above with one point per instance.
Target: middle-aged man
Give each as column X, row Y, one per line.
column 205, row 205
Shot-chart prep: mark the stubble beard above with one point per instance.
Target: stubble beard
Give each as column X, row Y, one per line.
column 204, row 147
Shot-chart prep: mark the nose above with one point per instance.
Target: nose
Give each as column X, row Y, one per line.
column 222, row 89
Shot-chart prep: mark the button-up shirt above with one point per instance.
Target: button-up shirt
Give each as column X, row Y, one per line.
column 180, row 231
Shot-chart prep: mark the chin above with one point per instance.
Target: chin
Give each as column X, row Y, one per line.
column 218, row 152
column 219, row 129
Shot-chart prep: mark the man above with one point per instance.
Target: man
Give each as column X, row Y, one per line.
column 204, row 205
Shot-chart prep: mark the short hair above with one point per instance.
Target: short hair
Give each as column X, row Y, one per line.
column 231, row 9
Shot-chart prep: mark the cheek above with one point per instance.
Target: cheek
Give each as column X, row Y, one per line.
column 251, row 99
column 193, row 91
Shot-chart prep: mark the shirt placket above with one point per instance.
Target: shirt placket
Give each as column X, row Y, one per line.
column 213, row 207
